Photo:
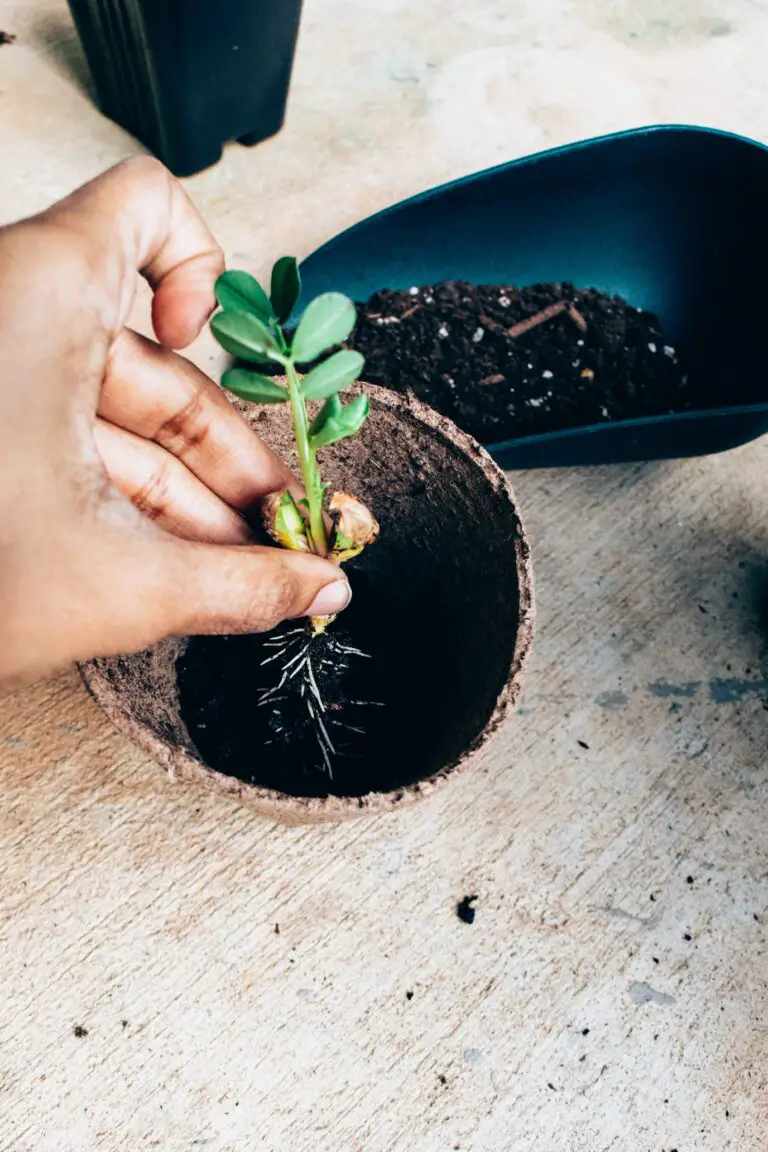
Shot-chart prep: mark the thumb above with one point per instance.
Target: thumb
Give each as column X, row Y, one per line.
column 218, row 589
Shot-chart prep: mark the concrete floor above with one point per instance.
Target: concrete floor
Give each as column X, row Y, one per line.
column 611, row 993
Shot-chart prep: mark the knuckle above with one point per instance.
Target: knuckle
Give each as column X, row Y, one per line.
column 188, row 428
column 153, row 497
column 145, row 168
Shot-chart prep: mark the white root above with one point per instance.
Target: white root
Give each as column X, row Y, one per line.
column 293, row 652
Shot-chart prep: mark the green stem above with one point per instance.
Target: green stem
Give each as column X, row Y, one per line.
column 309, row 472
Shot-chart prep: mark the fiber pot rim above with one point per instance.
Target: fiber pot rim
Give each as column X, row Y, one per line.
column 182, row 765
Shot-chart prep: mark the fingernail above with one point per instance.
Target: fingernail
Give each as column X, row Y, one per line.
column 332, row 599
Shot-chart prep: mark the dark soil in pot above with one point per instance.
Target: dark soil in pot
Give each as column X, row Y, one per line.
column 504, row 362
column 442, row 606
column 384, row 712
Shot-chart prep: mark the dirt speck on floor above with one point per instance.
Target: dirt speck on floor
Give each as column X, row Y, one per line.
column 465, row 910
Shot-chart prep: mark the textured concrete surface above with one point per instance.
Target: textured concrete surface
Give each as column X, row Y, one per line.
column 611, row 993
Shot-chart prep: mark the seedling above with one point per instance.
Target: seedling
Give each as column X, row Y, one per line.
column 252, row 326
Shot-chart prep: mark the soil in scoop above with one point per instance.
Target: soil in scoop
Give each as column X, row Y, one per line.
column 400, row 717
column 467, row 351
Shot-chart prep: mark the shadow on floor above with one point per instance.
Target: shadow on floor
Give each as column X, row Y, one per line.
column 55, row 35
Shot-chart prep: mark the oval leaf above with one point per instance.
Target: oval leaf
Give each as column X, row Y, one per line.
column 245, row 336
column 341, row 421
column 329, row 411
column 253, row 386
column 339, row 371
column 327, row 322
column 285, row 287
column 238, row 291
column 355, row 414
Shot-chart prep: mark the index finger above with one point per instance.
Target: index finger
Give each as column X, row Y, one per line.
column 137, row 218
column 157, row 394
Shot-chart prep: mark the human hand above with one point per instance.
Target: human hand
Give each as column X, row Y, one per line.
column 123, row 468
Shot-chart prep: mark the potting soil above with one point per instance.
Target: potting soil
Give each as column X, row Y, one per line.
column 503, row 362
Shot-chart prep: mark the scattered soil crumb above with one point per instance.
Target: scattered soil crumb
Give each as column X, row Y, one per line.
column 465, row 911
column 409, row 995
column 277, row 929
column 79, row 1031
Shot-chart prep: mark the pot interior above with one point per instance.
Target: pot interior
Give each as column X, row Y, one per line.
column 436, row 609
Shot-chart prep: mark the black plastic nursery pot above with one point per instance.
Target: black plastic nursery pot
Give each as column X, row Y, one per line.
column 670, row 218
column 185, row 76
column 443, row 607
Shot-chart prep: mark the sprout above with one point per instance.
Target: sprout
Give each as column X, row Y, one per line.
column 251, row 326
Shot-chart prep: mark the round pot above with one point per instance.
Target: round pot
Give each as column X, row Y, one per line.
column 452, row 573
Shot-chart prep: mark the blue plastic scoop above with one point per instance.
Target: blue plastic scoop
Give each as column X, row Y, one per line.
column 671, row 218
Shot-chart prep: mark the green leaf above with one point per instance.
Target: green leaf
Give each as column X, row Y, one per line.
column 341, row 542
column 253, row 386
column 290, row 525
column 328, row 321
column 245, row 336
column 285, row 287
column 355, row 414
column 329, row 411
column 240, row 292
column 337, row 421
column 339, row 371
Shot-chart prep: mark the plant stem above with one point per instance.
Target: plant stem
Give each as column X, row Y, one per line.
column 309, row 472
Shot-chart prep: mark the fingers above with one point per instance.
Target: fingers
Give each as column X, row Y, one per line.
column 140, row 213
column 160, row 396
column 252, row 589
column 118, row 592
column 160, row 487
